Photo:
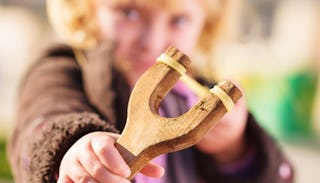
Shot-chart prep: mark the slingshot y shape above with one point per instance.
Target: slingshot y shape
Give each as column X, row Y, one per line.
column 147, row 134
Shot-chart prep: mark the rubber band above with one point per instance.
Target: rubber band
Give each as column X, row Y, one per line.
column 196, row 87
column 225, row 98
column 172, row 63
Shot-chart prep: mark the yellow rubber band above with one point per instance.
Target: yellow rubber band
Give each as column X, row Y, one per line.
column 172, row 63
column 225, row 99
column 196, row 87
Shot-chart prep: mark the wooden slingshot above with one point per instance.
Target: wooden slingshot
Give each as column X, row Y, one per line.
column 147, row 134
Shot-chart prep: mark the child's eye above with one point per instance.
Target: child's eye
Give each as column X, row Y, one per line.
column 179, row 20
column 130, row 13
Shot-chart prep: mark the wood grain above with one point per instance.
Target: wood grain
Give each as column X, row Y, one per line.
column 147, row 134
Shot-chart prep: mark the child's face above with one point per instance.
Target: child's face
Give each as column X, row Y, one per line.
column 142, row 33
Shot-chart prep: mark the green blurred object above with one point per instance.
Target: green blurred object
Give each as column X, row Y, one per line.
column 263, row 94
column 283, row 104
column 5, row 172
column 295, row 108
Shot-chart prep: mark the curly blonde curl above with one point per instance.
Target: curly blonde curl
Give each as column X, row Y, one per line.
column 74, row 21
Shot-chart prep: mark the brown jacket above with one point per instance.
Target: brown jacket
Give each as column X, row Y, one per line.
column 59, row 102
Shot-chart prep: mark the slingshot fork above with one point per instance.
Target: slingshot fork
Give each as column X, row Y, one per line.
column 147, row 134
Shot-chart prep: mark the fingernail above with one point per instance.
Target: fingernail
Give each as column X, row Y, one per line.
column 126, row 171
column 92, row 181
column 162, row 171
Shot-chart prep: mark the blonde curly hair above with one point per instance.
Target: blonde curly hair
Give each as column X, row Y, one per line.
column 75, row 20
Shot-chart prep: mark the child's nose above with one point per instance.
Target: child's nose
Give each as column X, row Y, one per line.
column 155, row 38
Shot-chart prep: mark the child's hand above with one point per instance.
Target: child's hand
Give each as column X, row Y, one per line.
column 94, row 158
column 225, row 142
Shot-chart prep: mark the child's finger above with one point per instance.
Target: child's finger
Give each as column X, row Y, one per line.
column 153, row 170
column 103, row 147
column 78, row 174
column 64, row 179
column 94, row 167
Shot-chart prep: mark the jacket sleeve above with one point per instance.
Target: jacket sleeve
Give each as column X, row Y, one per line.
column 266, row 163
column 52, row 113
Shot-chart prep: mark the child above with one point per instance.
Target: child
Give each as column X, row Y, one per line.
column 73, row 100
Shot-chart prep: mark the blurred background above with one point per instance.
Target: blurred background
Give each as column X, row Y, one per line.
column 274, row 53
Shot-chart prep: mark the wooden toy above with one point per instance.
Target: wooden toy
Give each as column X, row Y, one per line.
column 147, row 134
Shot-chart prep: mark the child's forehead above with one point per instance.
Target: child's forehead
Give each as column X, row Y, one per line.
column 171, row 5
